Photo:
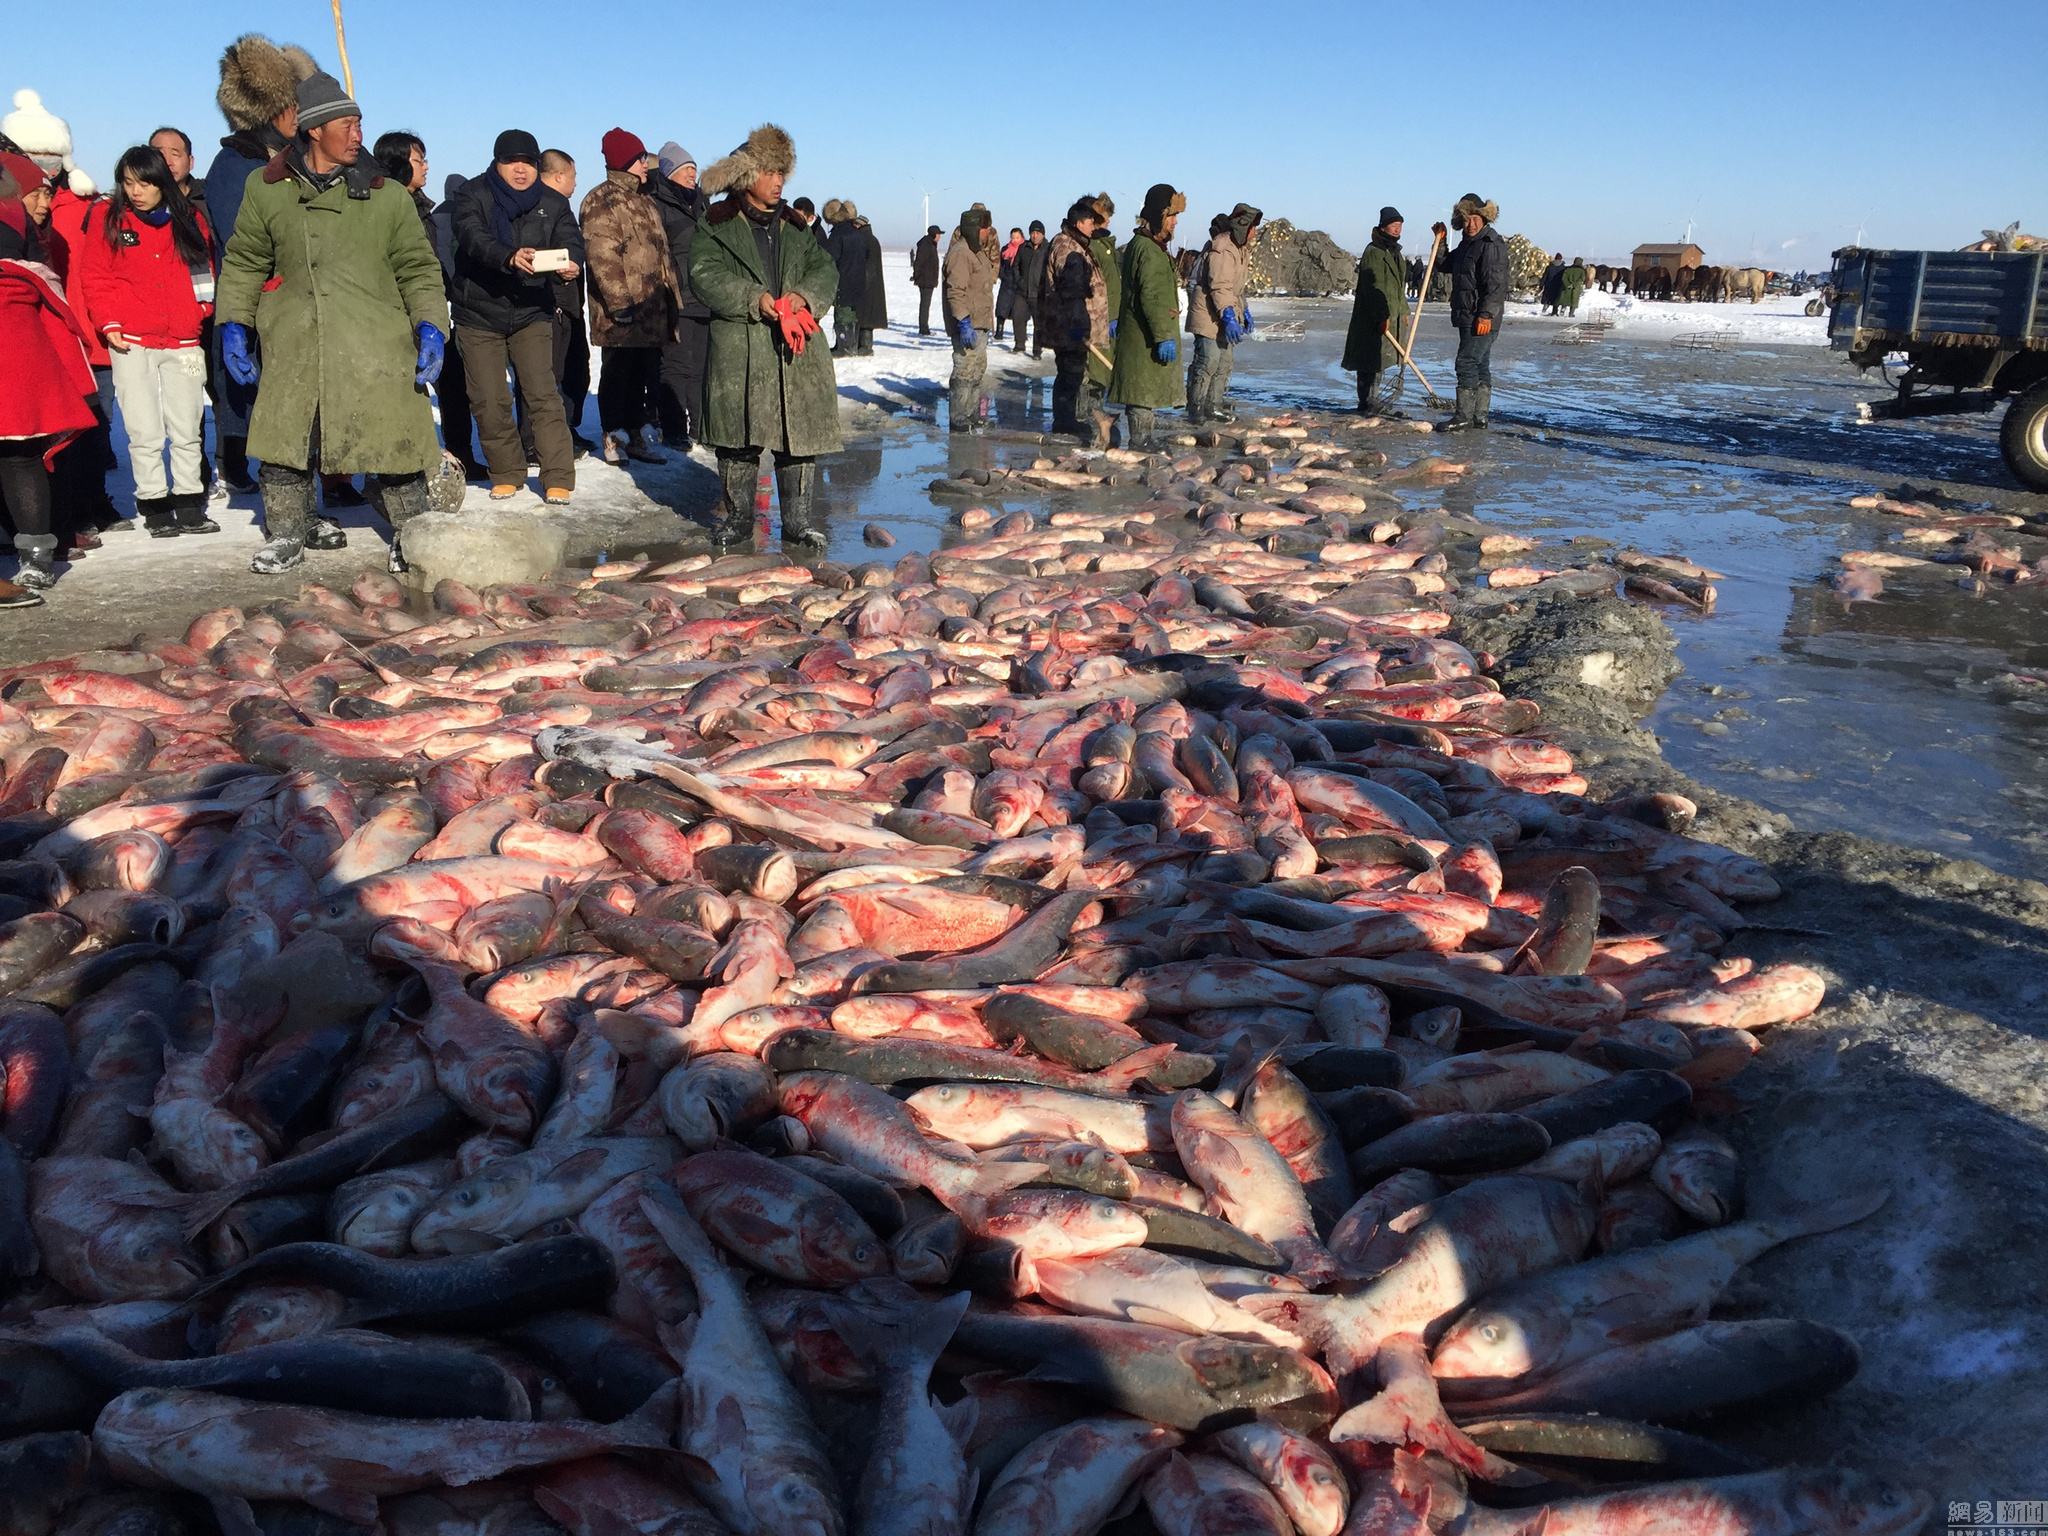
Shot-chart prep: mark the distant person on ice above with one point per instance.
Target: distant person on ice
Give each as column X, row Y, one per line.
column 768, row 381
column 924, row 272
column 352, row 334
column 1479, row 296
column 1550, row 291
column 1379, row 312
column 633, row 294
column 1571, row 285
column 1148, row 326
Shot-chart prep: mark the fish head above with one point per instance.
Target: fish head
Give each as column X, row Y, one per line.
column 265, row 1314
column 380, row 1216
column 210, row 1147
column 841, row 1252
column 467, row 1216
column 1855, row 1504
column 515, row 1087
column 944, row 1107
column 142, row 1254
column 1490, row 1344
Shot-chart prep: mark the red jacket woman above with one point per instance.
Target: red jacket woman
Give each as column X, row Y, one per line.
column 148, row 264
column 44, row 387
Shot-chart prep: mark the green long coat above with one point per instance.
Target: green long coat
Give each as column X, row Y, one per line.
column 355, row 274
column 1380, row 305
column 756, row 393
column 1147, row 316
column 1573, row 287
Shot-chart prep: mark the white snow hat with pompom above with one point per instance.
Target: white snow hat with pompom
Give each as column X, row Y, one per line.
column 45, row 138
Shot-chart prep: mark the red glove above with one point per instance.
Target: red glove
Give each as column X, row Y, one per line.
column 795, row 324
column 1384, row 328
column 1482, row 326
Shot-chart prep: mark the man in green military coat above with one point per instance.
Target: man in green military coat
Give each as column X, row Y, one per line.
column 1146, row 376
column 353, row 326
column 1572, row 285
column 1379, row 312
column 768, row 382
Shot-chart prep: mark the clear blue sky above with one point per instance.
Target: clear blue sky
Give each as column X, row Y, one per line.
column 1777, row 129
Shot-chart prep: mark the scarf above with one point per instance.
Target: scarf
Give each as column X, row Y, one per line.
column 1010, row 250
column 156, row 218
column 508, row 205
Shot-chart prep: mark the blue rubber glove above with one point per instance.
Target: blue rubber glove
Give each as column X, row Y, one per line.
column 1233, row 332
column 1165, row 351
column 1244, row 317
column 1112, row 330
column 964, row 329
column 433, row 347
column 234, row 353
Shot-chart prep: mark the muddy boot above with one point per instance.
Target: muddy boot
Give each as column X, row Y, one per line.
column 37, row 553
column 398, row 501
column 323, row 534
column 190, row 510
column 1138, row 428
column 1100, row 424
column 159, row 516
column 738, row 475
column 796, row 488
column 1482, row 405
column 865, row 342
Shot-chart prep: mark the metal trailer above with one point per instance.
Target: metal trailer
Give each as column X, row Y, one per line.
column 1971, row 323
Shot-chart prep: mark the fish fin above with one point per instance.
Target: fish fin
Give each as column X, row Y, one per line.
column 1313, row 1319
column 334, row 1495
column 675, row 1337
column 1133, row 1069
column 1157, row 1317
column 202, row 1211
column 968, row 1199
column 678, row 1229
column 960, row 1419
column 652, row 1426
column 583, row 1162
column 1825, row 1215
column 1648, row 1329
column 236, row 1517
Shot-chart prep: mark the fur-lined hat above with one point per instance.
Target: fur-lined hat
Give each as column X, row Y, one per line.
column 1161, row 203
column 833, row 211
column 1472, row 203
column 768, row 148
column 1099, row 206
column 259, row 79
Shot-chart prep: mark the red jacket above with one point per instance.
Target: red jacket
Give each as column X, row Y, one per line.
column 144, row 290
column 46, row 383
column 71, row 217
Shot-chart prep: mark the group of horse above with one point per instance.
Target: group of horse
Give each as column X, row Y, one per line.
column 1689, row 285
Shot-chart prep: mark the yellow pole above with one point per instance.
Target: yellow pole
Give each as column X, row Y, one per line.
column 348, row 79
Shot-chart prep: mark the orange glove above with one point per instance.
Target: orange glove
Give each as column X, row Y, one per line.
column 1482, row 326
column 1383, row 328
column 1439, row 229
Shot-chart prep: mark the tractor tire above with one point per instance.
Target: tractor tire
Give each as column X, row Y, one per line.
column 2023, row 438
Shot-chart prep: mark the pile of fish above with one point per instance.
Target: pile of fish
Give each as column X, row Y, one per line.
column 1118, row 1020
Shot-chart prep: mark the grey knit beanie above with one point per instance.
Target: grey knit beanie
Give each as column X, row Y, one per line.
column 673, row 158
column 322, row 100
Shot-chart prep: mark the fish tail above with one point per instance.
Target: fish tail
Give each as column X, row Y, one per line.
column 652, row 1426
column 207, row 1208
column 912, row 1339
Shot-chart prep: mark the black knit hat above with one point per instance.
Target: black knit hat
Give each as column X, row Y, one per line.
column 1037, row 227
column 1389, row 215
column 516, row 144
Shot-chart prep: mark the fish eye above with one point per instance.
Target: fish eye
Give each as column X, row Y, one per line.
column 1491, row 1333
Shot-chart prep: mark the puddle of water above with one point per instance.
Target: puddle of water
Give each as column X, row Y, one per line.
column 1881, row 719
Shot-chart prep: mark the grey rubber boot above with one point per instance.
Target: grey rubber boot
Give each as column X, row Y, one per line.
column 1138, row 427
column 1461, row 415
column 37, row 553
column 1482, row 404
column 737, row 477
column 287, row 517
column 796, row 489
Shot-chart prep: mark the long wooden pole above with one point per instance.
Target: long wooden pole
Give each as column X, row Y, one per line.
column 348, row 79
column 1406, row 349
column 1428, row 389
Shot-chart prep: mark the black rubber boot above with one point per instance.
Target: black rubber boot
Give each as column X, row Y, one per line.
column 37, row 553
column 738, row 476
column 159, row 516
column 796, row 489
column 1462, row 414
column 191, row 514
column 323, row 534
column 287, row 514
